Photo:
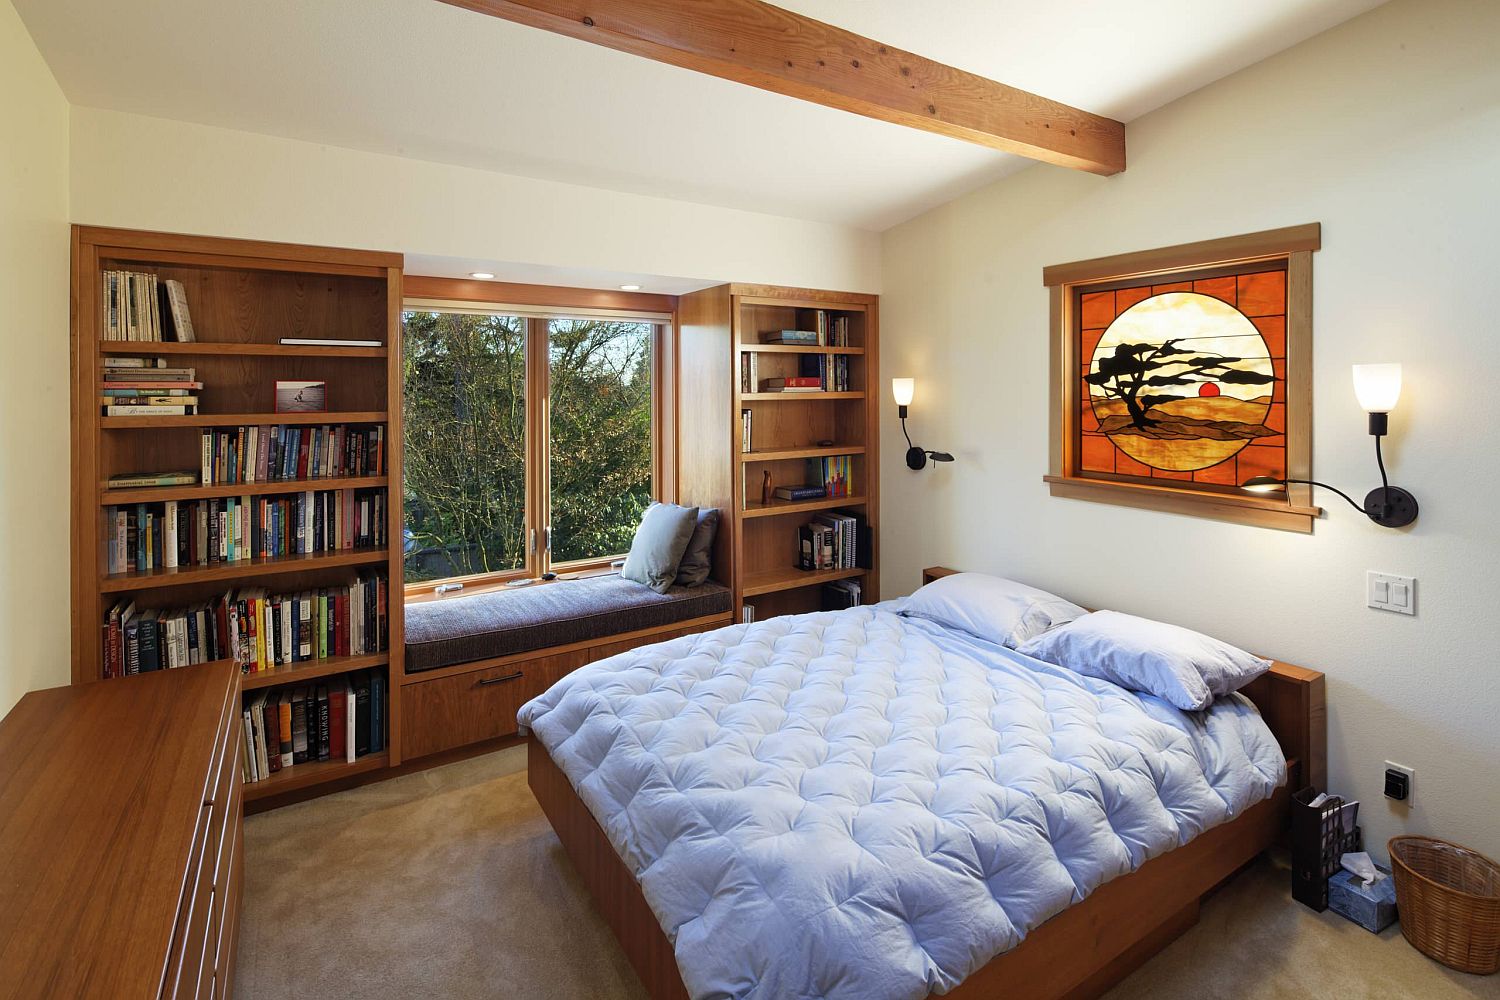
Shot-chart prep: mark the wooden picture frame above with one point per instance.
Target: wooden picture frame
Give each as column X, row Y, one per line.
column 1185, row 268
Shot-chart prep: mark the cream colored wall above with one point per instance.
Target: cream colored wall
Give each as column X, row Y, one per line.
column 150, row 173
column 1387, row 131
column 34, row 376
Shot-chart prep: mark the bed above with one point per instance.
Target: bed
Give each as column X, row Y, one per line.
column 860, row 804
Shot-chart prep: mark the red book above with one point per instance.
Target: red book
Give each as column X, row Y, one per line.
column 272, row 715
column 302, row 457
column 337, row 706
column 341, row 624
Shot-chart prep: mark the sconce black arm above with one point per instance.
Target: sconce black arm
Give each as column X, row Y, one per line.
column 916, row 457
column 1386, row 505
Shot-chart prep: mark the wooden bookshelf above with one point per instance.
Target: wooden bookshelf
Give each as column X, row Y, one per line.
column 720, row 326
column 244, row 297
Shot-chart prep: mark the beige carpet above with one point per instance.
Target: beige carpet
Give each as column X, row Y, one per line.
column 449, row 883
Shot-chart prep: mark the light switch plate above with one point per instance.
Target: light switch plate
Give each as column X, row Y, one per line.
column 1390, row 592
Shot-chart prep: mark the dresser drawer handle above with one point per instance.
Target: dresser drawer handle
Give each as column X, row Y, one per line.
column 497, row 680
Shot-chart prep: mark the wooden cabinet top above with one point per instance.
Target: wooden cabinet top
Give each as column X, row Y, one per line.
column 103, row 788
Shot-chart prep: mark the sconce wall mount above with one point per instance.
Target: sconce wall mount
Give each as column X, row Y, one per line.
column 916, row 457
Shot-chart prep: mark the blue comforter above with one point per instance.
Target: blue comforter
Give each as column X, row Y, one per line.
column 859, row 804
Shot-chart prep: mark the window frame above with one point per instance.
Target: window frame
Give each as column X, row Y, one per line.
column 536, row 305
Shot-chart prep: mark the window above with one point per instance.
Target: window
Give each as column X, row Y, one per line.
column 529, row 438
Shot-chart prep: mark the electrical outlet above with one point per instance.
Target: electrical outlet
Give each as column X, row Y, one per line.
column 1390, row 592
column 1411, row 782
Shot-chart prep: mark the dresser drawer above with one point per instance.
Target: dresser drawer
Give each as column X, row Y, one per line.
column 190, row 938
column 480, row 705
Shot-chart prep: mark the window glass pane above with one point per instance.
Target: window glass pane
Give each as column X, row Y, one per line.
column 600, row 434
column 465, row 455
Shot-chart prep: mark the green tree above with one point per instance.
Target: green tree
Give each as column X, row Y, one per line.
column 465, row 416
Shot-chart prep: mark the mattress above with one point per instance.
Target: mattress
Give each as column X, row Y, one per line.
column 864, row 805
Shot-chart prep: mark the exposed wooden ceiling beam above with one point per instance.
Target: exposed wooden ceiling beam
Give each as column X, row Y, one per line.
column 755, row 43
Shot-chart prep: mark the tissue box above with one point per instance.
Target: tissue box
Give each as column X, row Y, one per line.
column 1372, row 907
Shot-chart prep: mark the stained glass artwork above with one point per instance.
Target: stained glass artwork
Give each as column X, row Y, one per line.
column 1185, row 378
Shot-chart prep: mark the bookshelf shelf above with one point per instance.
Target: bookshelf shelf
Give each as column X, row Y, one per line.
column 316, row 772
column 797, row 349
column 774, row 581
column 229, row 571
column 779, row 397
column 156, row 494
column 297, row 673
column 781, row 454
column 237, row 419
column 210, row 350
column 777, row 507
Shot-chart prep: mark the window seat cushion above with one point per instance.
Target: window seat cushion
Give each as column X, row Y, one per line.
column 465, row 629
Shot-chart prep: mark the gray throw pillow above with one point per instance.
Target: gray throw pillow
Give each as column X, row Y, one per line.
column 699, row 557
column 659, row 543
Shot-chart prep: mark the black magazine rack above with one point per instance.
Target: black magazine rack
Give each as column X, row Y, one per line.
column 1318, row 841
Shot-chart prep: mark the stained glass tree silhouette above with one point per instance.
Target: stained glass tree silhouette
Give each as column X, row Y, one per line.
column 1134, row 369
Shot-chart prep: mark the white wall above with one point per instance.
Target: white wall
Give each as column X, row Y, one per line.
column 34, row 378
column 151, row 173
column 1387, row 131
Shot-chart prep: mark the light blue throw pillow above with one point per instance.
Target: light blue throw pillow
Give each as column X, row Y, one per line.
column 659, row 543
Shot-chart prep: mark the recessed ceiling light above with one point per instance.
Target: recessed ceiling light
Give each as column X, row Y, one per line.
column 630, row 288
column 481, row 275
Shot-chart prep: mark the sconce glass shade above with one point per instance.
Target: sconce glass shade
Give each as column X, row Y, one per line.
column 1377, row 387
column 903, row 389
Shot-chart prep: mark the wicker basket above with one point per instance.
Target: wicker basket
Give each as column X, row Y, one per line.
column 1448, row 898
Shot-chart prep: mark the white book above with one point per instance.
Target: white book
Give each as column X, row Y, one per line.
column 286, row 630
column 349, row 714
column 258, row 718
column 307, row 342
column 305, row 636
column 169, row 536
column 252, row 774
column 181, row 320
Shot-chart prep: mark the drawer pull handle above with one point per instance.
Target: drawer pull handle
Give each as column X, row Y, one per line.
column 497, row 680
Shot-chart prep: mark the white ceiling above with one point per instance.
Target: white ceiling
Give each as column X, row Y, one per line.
column 423, row 79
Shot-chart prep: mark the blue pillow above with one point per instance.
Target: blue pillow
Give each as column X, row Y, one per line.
column 1179, row 666
column 656, row 551
column 991, row 607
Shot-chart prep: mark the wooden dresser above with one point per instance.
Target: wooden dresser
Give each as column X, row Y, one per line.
column 121, row 847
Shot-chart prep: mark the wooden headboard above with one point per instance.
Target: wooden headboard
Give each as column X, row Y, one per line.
column 1290, row 699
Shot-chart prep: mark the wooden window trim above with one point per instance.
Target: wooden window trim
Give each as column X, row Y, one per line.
column 499, row 295
column 1293, row 512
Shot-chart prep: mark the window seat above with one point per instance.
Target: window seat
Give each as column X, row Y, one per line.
column 485, row 626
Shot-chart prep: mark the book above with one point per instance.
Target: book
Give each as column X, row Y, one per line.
column 350, row 721
column 324, row 722
column 799, row 492
column 148, row 411
column 124, row 362
column 284, row 721
column 309, row 342
column 796, row 382
column 377, row 711
column 299, row 726
column 803, row 338
column 747, row 419
column 338, row 711
column 140, row 480
column 361, row 685
column 177, row 311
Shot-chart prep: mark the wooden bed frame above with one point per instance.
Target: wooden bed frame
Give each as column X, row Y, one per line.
column 1079, row 953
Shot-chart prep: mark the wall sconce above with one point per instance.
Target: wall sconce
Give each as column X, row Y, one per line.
column 1377, row 387
column 916, row 458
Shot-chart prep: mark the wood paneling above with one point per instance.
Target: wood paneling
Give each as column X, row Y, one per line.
column 419, row 286
column 707, row 425
column 774, row 49
column 115, row 801
column 479, row 705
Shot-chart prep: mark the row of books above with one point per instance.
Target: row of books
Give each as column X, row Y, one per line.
column 174, row 534
column 747, row 422
column 834, row 540
column 818, row 373
column 281, row 453
column 834, row 472
column 136, row 387
column 829, row 330
column 841, row 594
column 342, row 719
column 141, row 306
column 257, row 629
column 749, row 371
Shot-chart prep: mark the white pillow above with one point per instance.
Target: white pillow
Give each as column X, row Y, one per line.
column 1179, row 666
column 990, row 607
